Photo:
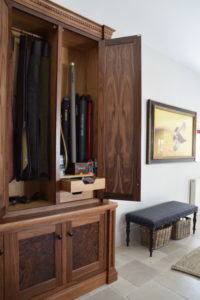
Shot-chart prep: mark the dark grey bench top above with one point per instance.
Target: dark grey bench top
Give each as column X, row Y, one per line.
column 161, row 214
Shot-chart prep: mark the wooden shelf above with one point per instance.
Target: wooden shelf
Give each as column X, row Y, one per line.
column 76, row 176
column 34, row 204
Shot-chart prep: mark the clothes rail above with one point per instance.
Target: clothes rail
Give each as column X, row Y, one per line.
column 17, row 31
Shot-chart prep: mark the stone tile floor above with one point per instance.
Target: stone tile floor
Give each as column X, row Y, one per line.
column 141, row 277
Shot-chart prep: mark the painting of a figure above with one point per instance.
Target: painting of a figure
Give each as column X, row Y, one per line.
column 171, row 133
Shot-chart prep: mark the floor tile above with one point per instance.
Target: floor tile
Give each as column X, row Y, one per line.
column 154, row 291
column 124, row 258
column 161, row 265
column 191, row 242
column 106, row 294
column 122, row 287
column 137, row 272
column 183, row 284
column 137, row 252
column 157, row 256
column 171, row 247
column 178, row 254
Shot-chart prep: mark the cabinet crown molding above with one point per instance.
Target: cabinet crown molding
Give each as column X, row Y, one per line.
column 66, row 16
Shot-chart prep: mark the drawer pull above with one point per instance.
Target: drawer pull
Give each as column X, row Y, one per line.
column 70, row 233
column 1, row 252
column 60, row 237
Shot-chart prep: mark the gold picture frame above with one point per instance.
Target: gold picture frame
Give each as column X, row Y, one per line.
column 171, row 133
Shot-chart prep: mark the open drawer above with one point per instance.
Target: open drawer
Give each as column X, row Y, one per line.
column 75, row 185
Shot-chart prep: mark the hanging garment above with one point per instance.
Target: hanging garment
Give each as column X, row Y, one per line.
column 20, row 130
column 33, row 84
column 43, row 103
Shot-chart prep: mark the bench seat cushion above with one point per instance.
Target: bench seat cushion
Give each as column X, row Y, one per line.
column 161, row 214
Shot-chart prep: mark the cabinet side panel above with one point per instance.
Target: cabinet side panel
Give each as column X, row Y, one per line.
column 4, row 42
column 122, row 134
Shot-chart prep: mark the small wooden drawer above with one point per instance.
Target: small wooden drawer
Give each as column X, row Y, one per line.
column 69, row 197
column 75, row 186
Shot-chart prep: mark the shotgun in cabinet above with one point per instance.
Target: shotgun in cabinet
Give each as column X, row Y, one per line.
column 43, row 254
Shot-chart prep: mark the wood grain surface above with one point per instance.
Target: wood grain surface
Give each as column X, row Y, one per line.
column 79, row 186
column 85, row 250
column 4, row 42
column 59, row 216
column 36, row 260
column 63, row 15
column 120, row 93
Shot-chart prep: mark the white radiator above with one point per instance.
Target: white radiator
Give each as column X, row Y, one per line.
column 195, row 191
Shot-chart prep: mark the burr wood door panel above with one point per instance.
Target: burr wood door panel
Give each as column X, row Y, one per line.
column 33, row 260
column 86, row 246
column 4, row 43
column 119, row 132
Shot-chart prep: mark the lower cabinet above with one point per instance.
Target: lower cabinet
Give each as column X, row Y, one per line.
column 32, row 261
column 57, row 255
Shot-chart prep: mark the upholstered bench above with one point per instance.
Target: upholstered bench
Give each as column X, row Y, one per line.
column 159, row 215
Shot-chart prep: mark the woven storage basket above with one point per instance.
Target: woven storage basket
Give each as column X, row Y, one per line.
column 161, row 236
column 181, row 229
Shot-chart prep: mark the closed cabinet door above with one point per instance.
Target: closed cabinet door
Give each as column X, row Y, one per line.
column 86, row 246
column 33, row 261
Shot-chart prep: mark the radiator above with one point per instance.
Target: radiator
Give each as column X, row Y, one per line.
column 195, row 191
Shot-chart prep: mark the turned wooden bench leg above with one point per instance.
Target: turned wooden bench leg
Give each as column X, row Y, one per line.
column 152, row 231
column 127, row 233
column 194, row 222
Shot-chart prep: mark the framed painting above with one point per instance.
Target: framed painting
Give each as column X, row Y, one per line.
column 171, row 133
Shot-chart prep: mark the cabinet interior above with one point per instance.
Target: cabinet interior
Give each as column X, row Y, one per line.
column 76, row 48
column 24, row 23
column 84, row 53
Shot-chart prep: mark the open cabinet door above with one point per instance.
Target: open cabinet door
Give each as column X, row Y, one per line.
column 4, row 41
column 119, row 132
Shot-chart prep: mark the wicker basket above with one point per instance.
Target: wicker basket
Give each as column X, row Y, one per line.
column 161, row 236
column 181, row 229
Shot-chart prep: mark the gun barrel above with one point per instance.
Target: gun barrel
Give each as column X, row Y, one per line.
column 73, row 112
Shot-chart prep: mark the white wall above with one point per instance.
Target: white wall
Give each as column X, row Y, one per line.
column 166, row 81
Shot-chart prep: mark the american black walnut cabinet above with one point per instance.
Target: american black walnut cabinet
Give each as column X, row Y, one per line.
column 63, row 247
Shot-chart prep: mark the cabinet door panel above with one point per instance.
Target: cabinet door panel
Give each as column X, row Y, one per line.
column 85, row 253
column 4, row 42
column 86, row 246
column 119, row 157
column 37, row 260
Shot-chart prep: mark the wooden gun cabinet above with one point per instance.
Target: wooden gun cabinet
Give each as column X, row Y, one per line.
column 62, row 246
